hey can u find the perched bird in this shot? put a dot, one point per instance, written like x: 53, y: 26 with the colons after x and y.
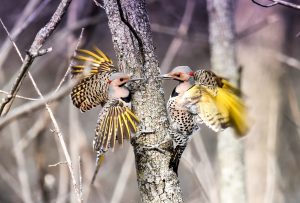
x: 202, y: 97
x: 101, y: 84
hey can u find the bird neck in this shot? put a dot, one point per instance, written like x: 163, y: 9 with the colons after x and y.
x: 115, y: 92
x: 183, y: 86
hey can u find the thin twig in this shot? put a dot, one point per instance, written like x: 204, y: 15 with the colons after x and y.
x: 59, y: 163
x: 271, y: 160
x: 71, y: 62
x: 181, y: 32
x: 278, y: 2
x: 264, y: 5
x: 11, y: 39
x: 10, y: 181
x: 206, y: 166
x: 21, y: 164
x: 295, y: 111
x: 20, y: 97
x: 17, y: 29
x: 34, y: 52
x: 35, y: 130
x: 121, y: 183
x: 257, y: 26
x: 35, y: 49
x: 98, y: 4
x: 80, y: 179
x: 290, y: 61
x: 199, y: 175
x: 29, y: 107
x: 155, y: 27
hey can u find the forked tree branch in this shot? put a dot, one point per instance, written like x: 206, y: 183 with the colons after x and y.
x: 56, y: 127
x: 34, y: 51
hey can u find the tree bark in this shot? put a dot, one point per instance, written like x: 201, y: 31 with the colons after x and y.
x: 223, y: 59
x: 131, y: 36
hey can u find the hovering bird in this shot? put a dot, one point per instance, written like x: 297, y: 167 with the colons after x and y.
x: 202, y: 97
x: 101, y: 84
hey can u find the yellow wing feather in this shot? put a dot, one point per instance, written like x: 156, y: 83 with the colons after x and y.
x: 219, y: 110
x: 93, y: 68
x: 91, y: 63
x: 232, y: 106
x: 116, y: 121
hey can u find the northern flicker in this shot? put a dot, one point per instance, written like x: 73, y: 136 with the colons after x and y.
x: 202, y: 97
x: 101, y: 84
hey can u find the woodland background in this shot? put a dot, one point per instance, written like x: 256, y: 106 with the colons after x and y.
x: 267, y: 45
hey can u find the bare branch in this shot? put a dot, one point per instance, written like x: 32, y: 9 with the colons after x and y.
x: 290, y: 61
x: 181, y: 32
x: 256, y: 27
x: 80, y: 179
x: 207, y: 167
x: 21, y: 23
x: 21, y: 164
x: 33, y: 52
x: 35, y: 130
x: 121, y: 183
x: 71, y: 62
x: 98, y: 4
x: 292, y: 98
x: 20, y: 97
x: 265, y: 5
x: 59, y: 163
x: 278, y: 2
x: 10, y: 181
x: 29, y: 107
x: 37, y: 51
x: 155, y: 27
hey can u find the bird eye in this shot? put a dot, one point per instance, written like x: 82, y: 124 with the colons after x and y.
x: 121, y: 79
x: 178, y: 75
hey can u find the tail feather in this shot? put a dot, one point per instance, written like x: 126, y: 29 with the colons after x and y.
x: 176, y: 156
x: 231, y: 106
x: 99, y: 160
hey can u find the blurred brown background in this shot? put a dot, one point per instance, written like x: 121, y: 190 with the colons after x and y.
x: 268, y: 46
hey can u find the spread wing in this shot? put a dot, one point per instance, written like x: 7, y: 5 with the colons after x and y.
x: 217, y: 102
x: 116, y: 121
x: 202, y: 103
x: 93, y: 69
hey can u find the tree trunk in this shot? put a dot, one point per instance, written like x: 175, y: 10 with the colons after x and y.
x: 223, y: 59
x: 131, y: 36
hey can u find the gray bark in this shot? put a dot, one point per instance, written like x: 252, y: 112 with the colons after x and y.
x: 223, y: 60
x: 131, y: 36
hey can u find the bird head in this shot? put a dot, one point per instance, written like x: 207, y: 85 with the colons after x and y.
x: 120, y: 79
x: 180, y: 73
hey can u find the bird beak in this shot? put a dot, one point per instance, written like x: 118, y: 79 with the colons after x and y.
x: 164, y: 77
x: 135, y: 79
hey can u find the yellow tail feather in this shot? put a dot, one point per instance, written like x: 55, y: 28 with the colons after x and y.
x: 232, y: 107
x: 98, y: 164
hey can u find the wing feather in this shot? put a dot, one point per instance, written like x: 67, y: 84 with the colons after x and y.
x: 116, y: 121
x: 126, y: 126
x: 93, y: 69
x: 217, y: 111
x: 200, y: 102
